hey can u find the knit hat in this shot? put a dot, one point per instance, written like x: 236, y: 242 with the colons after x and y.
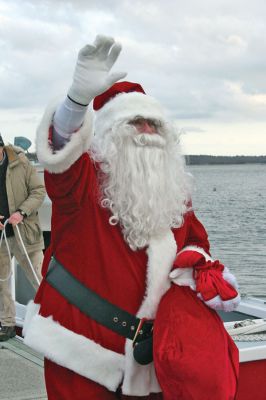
x: 1, y: 141
x: 123, y: 102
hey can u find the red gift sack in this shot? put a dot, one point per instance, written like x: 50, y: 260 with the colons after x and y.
x: 194, y: 357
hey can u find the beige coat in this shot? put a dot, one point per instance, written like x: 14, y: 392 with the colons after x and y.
x: 25, y: 191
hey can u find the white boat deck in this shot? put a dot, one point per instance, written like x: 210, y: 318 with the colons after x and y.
x: 21, y: 369
x: 251, y: 351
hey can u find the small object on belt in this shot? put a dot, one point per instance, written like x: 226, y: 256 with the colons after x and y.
x: 143, y: 342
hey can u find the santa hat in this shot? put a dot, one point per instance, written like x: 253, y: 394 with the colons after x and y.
x: 1, y: 141
x: 123, y: 102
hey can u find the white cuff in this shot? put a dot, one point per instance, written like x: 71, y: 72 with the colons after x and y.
x: 60, y: 161
x: 183, y: 277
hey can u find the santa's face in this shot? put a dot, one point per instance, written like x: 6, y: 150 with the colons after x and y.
x: 143, y: 181
x: 144, y: 125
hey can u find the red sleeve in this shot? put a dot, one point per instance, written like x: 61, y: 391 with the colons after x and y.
x: 192, y: 233
x: 70, y: 188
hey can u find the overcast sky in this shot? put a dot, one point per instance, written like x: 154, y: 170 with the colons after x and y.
x: 204, y: 60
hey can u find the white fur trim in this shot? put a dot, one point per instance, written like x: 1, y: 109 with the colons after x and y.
x: 61, y: 160
x: 141, y: 380
x: 161, y: 255
x: 219, y: 305
x: 198, y: 250
x: 31, y: 311
x: 126, y: 106
x: 231, y: 305
x: 73, y: 351
x: 230, y: 278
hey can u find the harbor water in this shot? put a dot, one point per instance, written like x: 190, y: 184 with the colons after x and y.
x: 230, y: 200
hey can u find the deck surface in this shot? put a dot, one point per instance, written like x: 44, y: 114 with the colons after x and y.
x: 21, y: 369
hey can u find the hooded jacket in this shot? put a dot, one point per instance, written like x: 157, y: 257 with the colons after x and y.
x: 25, y: 191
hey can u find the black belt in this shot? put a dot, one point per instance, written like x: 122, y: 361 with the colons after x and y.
x: 95, y: 306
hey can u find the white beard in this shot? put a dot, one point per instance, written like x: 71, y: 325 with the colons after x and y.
x: 142, y: 180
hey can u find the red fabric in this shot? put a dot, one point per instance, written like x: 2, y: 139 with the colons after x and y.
x: 210, y: 282
x: 252, y: 382
x: 192, y: 233
x: 188, y: 259
x: 96, y: 253
x: 117, y: 88
x: 93, y: 250
x: 195, y: 359
x: 63, y: 384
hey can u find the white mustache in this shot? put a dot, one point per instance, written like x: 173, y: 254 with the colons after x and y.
x: 151, y: 140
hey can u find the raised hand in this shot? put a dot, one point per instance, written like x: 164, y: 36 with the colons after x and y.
x: 92, y: 73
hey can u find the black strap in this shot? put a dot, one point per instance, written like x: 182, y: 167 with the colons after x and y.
x: 74, y: 101
x: 93, y: 305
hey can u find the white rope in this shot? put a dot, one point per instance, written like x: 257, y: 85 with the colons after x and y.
x: 27, y: 256
x: 249, y: 338
x: 248, y: 330
x: 9, y: 254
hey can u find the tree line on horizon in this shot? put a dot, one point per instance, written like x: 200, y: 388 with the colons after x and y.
x: 208, y: 159
x: 202, y: 159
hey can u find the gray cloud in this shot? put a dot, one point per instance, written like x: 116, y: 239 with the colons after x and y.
x: 203, y: 60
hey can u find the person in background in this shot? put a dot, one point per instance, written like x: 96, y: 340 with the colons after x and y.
x: 126, y: 249
x: 21, y: 194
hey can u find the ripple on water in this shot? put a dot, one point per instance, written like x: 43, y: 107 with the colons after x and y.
x: 235, y: 218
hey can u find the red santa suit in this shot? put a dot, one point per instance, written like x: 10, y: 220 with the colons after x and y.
x: 96, y: 253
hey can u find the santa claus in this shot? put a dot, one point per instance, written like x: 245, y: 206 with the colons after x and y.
x: 126, y: 250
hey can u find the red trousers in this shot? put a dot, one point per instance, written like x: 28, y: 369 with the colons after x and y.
x: 63, y: 384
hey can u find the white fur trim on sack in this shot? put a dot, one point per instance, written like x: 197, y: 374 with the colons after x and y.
x: 231, y: 305
x: 61, y: 160
x: 222, y: 305
x: 126, y: 106
x: 73, y: 351
x: 141, y: 380
x: 230, y: 278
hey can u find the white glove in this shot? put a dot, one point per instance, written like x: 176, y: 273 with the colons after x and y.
x: 183, y: 277
x: 91, y: 76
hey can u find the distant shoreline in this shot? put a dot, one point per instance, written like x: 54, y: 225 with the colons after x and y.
x: 216, y: 160
x: 205, y: 159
